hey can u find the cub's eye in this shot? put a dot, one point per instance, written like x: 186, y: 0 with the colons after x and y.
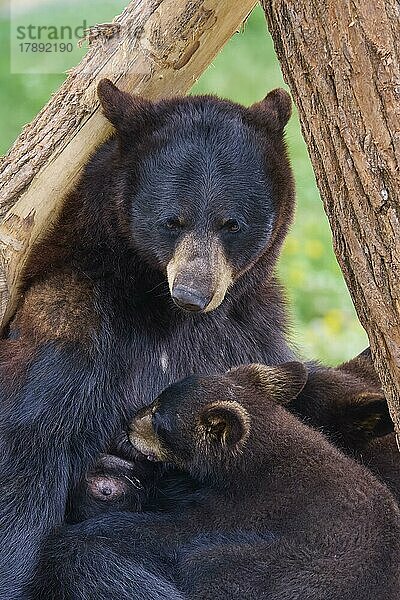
x: 231, y: 225
x: 155, y: 420
x: 173, y: 224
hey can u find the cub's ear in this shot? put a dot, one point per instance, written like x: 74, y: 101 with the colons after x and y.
x: 273, y: 112
x: 127, y: 113
x: 368, y: 414
x: 224, y: 422
x: 365, y: 354
x: 362, y: 367
x: 360, y: 364
x: 281, y: 382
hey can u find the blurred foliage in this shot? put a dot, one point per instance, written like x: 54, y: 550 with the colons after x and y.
x: 324, y: 324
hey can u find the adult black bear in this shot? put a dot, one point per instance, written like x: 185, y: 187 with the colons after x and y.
x: 160, y: 265
x: 281, y: 514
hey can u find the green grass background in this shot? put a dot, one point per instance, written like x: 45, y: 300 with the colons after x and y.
x: 324, y: 324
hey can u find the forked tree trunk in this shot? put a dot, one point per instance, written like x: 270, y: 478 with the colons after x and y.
x: 155, y: 48
x: 341, y: 61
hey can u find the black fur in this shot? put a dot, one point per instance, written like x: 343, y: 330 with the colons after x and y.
x: 348, y: 405
x: 113, y: 484
x: 97, y: 335
x: 281, y: 512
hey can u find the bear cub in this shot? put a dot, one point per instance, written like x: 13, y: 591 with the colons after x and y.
x: 322, y: 526
x: 346, y: 403
x: 278, y: 511
x: 136, y: 485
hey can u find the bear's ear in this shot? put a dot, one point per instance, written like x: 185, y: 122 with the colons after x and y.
x: 362, y: 364
x: 281, y: 382
x: 366, y: 353
x: 273, y: 112
x: 127, y: 113
x: 224, y: 423
x: 368, y: 413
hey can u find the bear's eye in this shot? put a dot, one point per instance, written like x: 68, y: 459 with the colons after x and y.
x: 173, y: 224
x: 231, y: 225
x: 155, y: 421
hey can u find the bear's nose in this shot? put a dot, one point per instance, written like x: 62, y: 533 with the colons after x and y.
x: 189, y: 299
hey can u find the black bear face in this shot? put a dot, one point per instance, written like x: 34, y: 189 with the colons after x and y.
x: 208, y: 206
x: 188, y: 415
x: 203, y: 425
x: 202, y: 183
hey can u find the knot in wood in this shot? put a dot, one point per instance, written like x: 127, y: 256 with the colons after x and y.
x: 102, y: 31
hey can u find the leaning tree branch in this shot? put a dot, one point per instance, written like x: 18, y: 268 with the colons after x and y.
x: 341, y: 60
x: 154, y: 48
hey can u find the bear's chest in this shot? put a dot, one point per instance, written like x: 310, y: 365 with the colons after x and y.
x: 155, y: 358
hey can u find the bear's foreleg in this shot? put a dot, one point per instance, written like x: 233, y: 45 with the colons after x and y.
x: 61, y: 401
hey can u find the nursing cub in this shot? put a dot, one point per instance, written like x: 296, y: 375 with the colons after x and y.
x: 279, y: 511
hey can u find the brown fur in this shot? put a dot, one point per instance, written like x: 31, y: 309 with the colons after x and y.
x: 16, y: 358
x: 335, y: 529
x: 59, y: 308
x: 348, y: 404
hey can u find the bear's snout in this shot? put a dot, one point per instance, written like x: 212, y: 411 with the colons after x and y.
x: 199, y: 274
x: 143, y: 437
x: 189, y: 299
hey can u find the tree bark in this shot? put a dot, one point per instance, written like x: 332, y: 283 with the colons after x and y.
x: 154, y: 48
x: 341, y: 61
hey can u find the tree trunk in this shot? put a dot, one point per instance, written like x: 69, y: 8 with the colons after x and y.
x: 155, y: 48
x: 341, y: 61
